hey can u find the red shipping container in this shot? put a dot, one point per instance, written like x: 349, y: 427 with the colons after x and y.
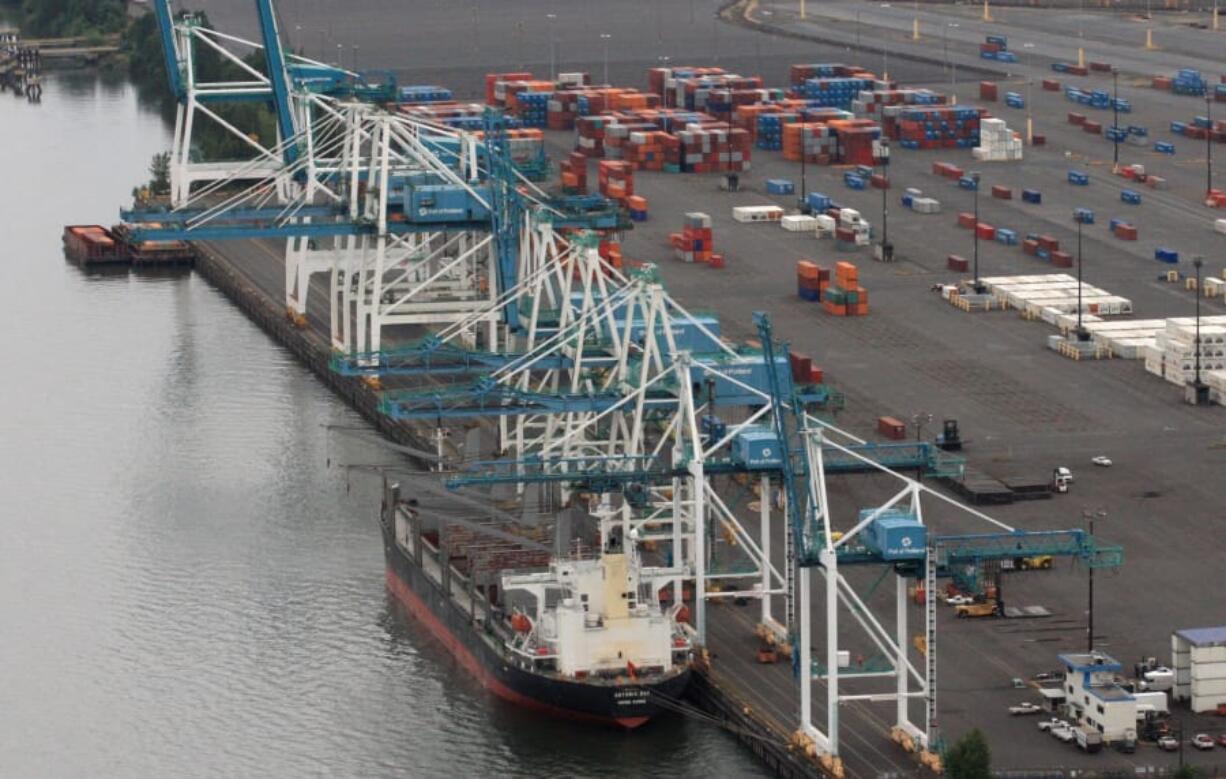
x: 879, y: 181
x: 966, y: 220
x: 1051, y: 85
x: 816, y: 376
x: 891, y: 428
x: 1030, y: 247
x: 1094, y: 128
x: 1101, y: 67
x: 1038, y: 140
x: 986, y: 232
x: 1048, y: 243
x: 1062, y: 259
x: 987, y: 90
x: 1077, y: 70
x: 1126, y: 232
x: 1075, y: 118
x: 956, y: 263
x: 1161, y: 82
x: 1001, y: 192
x: 802, y: 366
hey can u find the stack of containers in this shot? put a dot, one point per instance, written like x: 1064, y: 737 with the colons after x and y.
x: 637, y: 205
x: 590, y: 131
x: 836, y: 92
x: 646, y: 150
x: 1173, y: 355
x: 423, y: 93
x: 997, y: 143
x: 462, y: 116
x: 532, y: 107
x: 694, y: 243
x: 611, y: 250
x: 857, y: 140
x: 714, y: 149
x: 844, y: 296
x: 811, y: 280
x: 933, y: 127
x: 496, y: 96
x: 799, y: 74
x: 616, y: 179
x: 1188, y: 82
x: 872, y: 103
x: 996, y: 47
x: 814, y: 141
x: 574, y: 174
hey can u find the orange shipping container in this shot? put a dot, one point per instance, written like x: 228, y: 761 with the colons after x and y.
x: 807, y: 270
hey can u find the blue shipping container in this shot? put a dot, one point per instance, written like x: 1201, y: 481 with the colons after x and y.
x: 895, y: 535
x: 757, y: 448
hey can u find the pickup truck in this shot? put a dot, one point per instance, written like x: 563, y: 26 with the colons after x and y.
x: 988, y: 608
x: 1025, y: 708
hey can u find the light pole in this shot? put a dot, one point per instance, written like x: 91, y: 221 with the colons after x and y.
x: 974, y: 176
x: 1115, y: 122
x: 1081, y: 34
x: 883, y: 161
x: 1090, y: 516
x: 1209, y: 145
x: 1029, y: 115
x: 604, y: 38
x: 953, y: 66
x: 553, y: 71
x: 919, y: 420
x: 1082, y: 335
x: 1200, y: 393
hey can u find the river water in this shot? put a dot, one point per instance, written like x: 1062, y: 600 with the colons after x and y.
x: 191, y: 579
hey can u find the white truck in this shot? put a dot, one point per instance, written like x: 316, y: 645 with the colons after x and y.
x: 1152, y: 702
x: 1088, y: 740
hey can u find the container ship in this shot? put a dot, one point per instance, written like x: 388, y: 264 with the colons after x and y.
x: 584, y: 639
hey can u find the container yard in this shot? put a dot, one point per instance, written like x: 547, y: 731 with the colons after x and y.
x: 630, y: 317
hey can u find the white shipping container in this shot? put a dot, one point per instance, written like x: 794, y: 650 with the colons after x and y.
x: 926, y: 205
x: 1204, y: 703
x: 757, y: 213
x: 798, y: 223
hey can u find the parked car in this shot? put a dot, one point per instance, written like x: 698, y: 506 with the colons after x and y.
x: 1202, y: 741
x: 1065, y: 734
x: 1221, y: 740
x: 959, y: 600
x: 1025, y: 708
x: 1102, y: 460
x: 1054, y: 722
x: 1168, y: 743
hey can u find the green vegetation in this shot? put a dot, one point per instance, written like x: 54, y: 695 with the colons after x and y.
x: 64, y: 18
x: 969, y: 757
x: 146, y: 64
